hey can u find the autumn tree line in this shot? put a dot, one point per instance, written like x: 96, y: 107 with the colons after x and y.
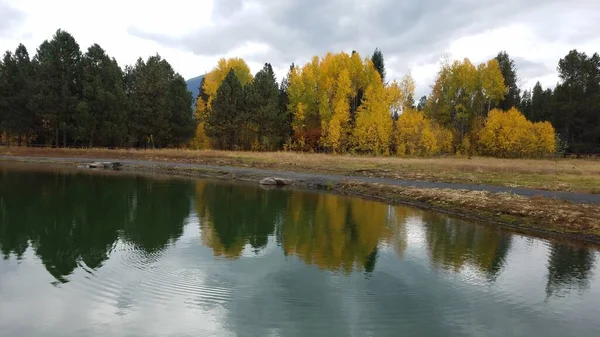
x: 63, y: 97
x: 342, y: 103
x: 337, y: 103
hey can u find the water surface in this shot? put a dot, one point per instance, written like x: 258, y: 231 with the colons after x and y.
x: 121, y: 255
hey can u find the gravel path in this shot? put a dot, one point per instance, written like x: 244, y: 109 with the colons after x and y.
x: 326, y: 178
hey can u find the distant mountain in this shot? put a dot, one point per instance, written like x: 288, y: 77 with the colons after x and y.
x: 193, y: 84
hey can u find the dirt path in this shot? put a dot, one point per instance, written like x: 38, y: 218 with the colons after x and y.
x: 319, y: 178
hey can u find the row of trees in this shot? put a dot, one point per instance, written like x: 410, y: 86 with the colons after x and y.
x: 341, y: 103
x: 236, y: 110
x: 338, y: 103
x: 573, y: 105
x: 63, y: 97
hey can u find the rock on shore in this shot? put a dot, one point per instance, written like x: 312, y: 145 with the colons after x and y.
x: 275, y: 181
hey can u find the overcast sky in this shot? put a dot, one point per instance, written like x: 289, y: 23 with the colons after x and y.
x: 413, y: 35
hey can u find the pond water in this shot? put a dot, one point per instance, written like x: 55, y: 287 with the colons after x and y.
x: 113, y: 254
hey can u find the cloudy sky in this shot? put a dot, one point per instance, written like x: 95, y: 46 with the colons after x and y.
x: 413, y: 35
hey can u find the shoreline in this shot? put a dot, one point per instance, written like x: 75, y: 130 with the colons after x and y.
x: 530, y: 215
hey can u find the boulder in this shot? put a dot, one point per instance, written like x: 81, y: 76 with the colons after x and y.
x: 282, y: 181
x: 268, y: 181
x: 275, y: 181
x: 96, y: 164
x: 107, y: 165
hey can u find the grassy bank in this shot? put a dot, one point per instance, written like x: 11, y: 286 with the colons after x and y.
x: 529, y: 215
x: 575, y: 175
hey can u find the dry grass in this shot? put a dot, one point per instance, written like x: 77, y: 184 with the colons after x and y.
x: 562, y: 174
x: 537, y: 214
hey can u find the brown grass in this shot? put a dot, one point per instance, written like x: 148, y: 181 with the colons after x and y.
x: 530, y: 214
x: 582, y: 175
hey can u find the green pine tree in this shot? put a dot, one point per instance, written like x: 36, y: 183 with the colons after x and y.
x: 379, y: 64
x: 286, y: 130
x: 58, y: 86
x: 225, y: 118
x: 158, y: 115
x: 262, y: 102
x: 8, y: 70
x: 181, y: 123
x: 509, y: 72
x: 101, y: 114
x: 422, y: 103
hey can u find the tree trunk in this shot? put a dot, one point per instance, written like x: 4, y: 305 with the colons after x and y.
x: 20, y: 137
x: 56, y: 137
x: 65, y: 137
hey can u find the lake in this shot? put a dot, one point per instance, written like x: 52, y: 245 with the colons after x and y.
x: 119, y: 254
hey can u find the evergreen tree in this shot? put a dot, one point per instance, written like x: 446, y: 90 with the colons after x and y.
x: 3, y: 96
x: 182, y: 123
x: 286, y: 130
x: 379, y: 64
x: 577, y: 100
x: 7, y: 94
x: 202, y: 95
x: 262, y: 102
x: 525, y: 105
x: 509, y: 73
x: 226, y: 114
x: 15, y: 90
x: 101, y: 114
x: 159, y: 109
x: 24, y: 83
x: 422, y: 103
x: 537, y: 103
x: 58, y: 85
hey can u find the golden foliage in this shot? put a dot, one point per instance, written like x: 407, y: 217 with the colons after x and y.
x: 338, y: 103
x: 417, y: 135
x: 374, y: 124
x: 216, y: 76
x: 407, y: 89
x: 320, y: 97
x: 510, y: 134
x: 338, y: 124
x: 200, y: 141
x: 463, y: 91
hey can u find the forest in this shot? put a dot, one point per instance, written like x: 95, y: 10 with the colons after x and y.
x: 336, y: 103
x: 65, y: 98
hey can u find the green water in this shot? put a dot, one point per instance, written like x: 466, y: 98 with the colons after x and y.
x: 87, y: 254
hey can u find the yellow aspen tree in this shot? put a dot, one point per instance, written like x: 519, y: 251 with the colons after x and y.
x: 545, y: 140
x: 337, y: 130
x: 510, y: 134
x: 356, y: 69
x: 371, y: 75
x: 216, y: 76
x: 407, y: 87
x: 374, y: 124
x: 302, y: 105
x: 492, y: 83
x: 200, y: 141
x: 396, y: 97
x: 415, y: 135
x: 444, y: 138
x: 461, y: 93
